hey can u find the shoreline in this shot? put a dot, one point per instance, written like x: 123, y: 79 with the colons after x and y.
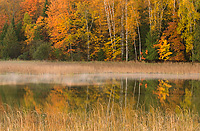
x: 64, y: 68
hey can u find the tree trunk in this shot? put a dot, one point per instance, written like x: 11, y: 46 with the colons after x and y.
x: 174, y: 10
x: 138, y: 28
x: 113, y: 25
x: 135, y: 50
x: 122, y: 32
x: 109, y: 9
x: 150, y: 14
x: 108, y: 20
x: 126, y: 14
x: 88, y: 37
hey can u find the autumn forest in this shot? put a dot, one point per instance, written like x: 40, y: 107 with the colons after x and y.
x: 100, y: 30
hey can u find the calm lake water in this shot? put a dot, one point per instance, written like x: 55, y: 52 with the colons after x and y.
x: 170, y: 94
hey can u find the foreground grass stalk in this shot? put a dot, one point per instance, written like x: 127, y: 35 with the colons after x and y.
x: 98, y: 119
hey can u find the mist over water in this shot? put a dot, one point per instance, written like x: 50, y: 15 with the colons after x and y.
x: 86, y: 79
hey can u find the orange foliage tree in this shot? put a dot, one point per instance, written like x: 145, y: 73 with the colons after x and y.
x: 171, y: 46
x: 58, y: 23
x: 174, y: 39
x: 33, y: 7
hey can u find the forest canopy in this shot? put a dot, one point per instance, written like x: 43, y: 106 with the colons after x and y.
x: 100, y: 30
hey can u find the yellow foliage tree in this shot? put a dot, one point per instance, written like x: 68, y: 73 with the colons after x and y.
x: 163, y: 49
x: 188, y: 19
x: 29, y: 28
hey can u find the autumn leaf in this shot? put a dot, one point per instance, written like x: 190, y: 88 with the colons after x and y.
x: 163, y: 49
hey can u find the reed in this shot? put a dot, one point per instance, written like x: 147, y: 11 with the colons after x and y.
x: 99, y: 119
x: 38, y: 67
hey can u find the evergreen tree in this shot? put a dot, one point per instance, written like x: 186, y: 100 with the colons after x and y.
x: 13, y: 22
x: 101, y: 55
x: 11, y: 47
x: 42, y: 52
x: 20, y: 32
x: 46, y: 4
x: 196, y: 47
x: 3, y: 34
x: 150, y: 53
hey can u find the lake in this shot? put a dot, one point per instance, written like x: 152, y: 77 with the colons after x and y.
x: 83, y: 94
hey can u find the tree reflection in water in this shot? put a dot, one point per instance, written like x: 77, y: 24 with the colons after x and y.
x: 165, y: 94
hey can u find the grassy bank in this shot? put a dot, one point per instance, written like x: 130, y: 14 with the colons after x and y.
x: 32, y: 67
x: 99, y: 118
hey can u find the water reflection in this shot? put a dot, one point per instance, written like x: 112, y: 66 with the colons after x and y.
x: 165, y: 94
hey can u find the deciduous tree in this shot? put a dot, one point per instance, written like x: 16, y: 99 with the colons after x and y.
x: 32, y: 7
x: 186, y: 27
x: 29, y: 28
x: 175, y: 41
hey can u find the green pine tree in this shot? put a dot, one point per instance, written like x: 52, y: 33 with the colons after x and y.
x: 46, y: 4
x: 101, y: 55
x: 150, y: 53
x: 196, y: 47
x: 11, y: 47
x: 3, y: 34
x: 13, y: 22
x: 20, y: 32
x: 42, y: 52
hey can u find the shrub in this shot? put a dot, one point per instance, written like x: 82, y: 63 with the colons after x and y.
x: 24, y: 56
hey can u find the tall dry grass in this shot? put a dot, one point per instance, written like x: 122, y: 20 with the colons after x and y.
x: 36, y: 67
x: 100, y: 119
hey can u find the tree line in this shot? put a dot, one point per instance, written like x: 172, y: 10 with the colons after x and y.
x: 103, y: 30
